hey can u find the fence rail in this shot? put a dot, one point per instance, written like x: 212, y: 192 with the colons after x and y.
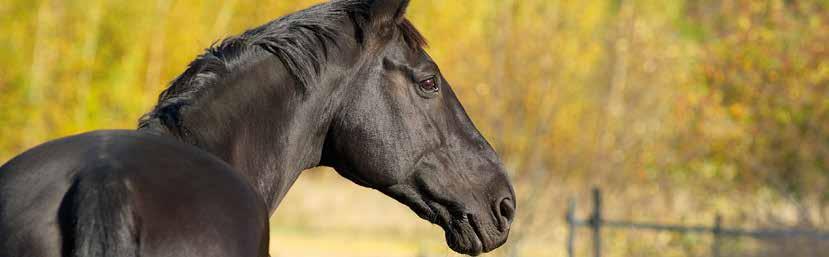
x: 596, y: 222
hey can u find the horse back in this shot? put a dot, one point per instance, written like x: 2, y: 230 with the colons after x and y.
x: 118, y: 192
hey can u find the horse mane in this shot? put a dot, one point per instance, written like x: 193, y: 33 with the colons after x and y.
x: 300, y: 41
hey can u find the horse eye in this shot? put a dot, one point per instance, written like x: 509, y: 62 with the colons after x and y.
x: 429, y: 85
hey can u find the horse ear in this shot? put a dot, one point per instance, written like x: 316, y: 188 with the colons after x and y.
x: 387, y: 11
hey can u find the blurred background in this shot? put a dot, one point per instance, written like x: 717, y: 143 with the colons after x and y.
x: 678, y: 110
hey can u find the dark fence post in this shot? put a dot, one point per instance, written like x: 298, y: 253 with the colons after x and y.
x: 596, y: 222
x: 717, y: 235
x: 571, y: 227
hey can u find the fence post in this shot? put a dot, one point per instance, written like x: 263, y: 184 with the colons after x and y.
x: 717, y: 235
x: 596, y: 222
x: 571, y: 227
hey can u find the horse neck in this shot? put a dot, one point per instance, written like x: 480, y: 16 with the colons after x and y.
x: 265, y: 126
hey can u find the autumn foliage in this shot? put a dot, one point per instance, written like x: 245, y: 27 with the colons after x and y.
x: 673, y: 106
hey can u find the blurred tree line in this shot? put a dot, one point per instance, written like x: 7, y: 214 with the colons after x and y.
x: 717, y: 95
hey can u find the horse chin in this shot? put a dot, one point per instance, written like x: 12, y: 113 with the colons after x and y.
x: 467, y: 235
x: 462, y: 237
x: 468, y: 228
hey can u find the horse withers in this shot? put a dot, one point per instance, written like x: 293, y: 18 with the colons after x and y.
x: 345, y: 84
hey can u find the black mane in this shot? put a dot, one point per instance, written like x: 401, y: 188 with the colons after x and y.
x: 299, y: 40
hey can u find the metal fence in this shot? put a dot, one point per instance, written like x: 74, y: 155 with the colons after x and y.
x: 596, y: 222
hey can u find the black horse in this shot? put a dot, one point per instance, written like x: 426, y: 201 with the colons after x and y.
x: 344, y: 84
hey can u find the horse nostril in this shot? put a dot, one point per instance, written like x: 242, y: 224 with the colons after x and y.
x: 506, y: 212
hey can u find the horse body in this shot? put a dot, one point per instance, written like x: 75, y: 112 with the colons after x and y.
x: 101, y: 193
x: 345, y: 84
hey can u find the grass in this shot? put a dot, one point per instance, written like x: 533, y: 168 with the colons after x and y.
x: 326, y: 215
